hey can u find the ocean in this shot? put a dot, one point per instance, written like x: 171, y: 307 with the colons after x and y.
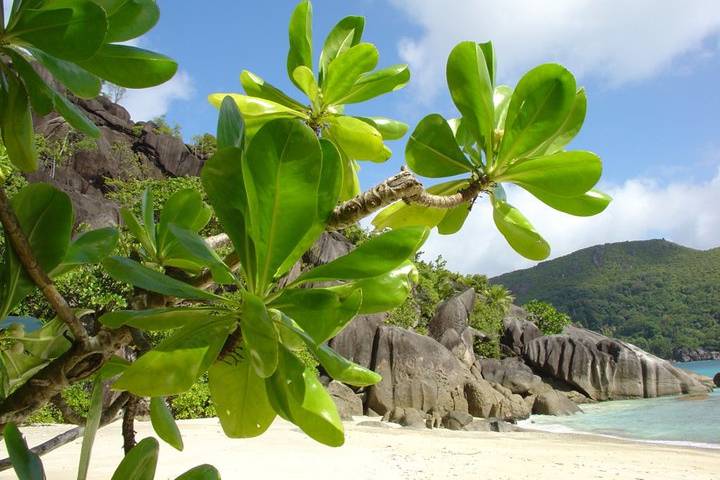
x: 667, y: 419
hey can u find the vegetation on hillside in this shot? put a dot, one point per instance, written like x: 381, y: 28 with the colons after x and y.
x: 654, y: 294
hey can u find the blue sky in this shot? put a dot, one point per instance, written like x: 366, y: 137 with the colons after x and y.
x: 651, y: 74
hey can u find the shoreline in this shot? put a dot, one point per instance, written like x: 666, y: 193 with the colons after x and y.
x: 373, y: 451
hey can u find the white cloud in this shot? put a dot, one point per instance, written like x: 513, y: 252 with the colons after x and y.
x: 684, y: 213
x: 149, y: 103
x: 615, y: 40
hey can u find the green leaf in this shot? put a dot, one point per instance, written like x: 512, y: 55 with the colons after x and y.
x: 300, y: 33
x: 201, y: 472
x: 178, y: 361
x: 16, y: 125
x: 130, y: 271
x: 79, y: 81
x: 147, y: 208
x: 129, y: 19
x: 590, y: 203
x: 27, y: 464
x: 69, y: 29
x: 138, y: 231
x: 283, y: 168
x: 385, y: 292
x: 156, y: 319
x: 89, y: 248
x: 91, y: 427
x: 373, y: 84
x: 351, y: 181
x: 74, y: 116
x: 490, y: 59
x: 400, y: 214
x: 185, y: 210
x: 501, y: 100
x: 296, y: 394
x: 259, y: 335
x: 432, y: 150
x: 223, y: 179
x: 255, y: 86
x: 345, y: 70
x: 240, y: 400
x: 320, y: 312
x: 343, y: 370
x: 471, y: 89
x: 45, y: 216
x: 564, y: 174
x: 130, y: 67
x: 519, y: 232
x: 231, y: 127
x: 377, y: 256
x: 140, y: 462
x: 454, y: 220
x: 164, y: 424
x: 112, y: 368
x: 257, y: 111
x: 358, y: 139
x: 570, y: 128
x: 542, y: 100
x: 305, y: 79
x: 197, y: 250
x: 389, y: 129
x: 41, y: 96
x: 345, y: 35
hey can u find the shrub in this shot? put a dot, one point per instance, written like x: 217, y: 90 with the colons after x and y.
x: 546, y: 317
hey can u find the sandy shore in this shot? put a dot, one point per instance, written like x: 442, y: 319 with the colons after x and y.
x: 388, y: 453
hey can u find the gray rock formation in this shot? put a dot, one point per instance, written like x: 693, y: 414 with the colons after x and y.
x: 606, y: 369
x: 450, y: 327
x: 552, y: 402
x: 517, y: 330
x: 348, y: 403
x: 511, y: 373
x: 407, y: 417
x: 457, y: 420
x: 716, y: 379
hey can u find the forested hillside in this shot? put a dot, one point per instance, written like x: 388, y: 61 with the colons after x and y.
x: 654, y: 293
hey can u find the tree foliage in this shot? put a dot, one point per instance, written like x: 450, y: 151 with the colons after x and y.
x: 546, y: 317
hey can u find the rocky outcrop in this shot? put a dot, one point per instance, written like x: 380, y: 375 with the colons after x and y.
x: 552, y: 402
x: 716, y: 379
x: 511, y: 373
x: 450, y: 327
x: 348, y: 403
x: 694, y: 354
x: 517, y: 330
x: 606, y: 369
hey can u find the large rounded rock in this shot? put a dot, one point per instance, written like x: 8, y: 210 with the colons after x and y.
x: 518, y: 330
x: 716, y: 379
x: 356, y: 342
x: 348, y: 403
x: 417, y: 373
x: 553, y: 402
x: 488, y: 400
x: 450, y: 327
x: 606, y: 369
x: 511, y: 373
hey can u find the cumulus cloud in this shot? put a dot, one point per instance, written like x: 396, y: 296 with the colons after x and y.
x: 684, y: 213
x: 149, y: 103
x: 615, y: 40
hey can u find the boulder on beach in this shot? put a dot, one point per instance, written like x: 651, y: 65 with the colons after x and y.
x: 716, y: 379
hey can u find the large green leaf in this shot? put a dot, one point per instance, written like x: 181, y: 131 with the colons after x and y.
x: 223, y: 179
x: 501, y: 100
x: 385, y: 292
x: 164, y: 424
x: 130, y: 67
x: 27, y: 464
x: 257, y: 111
x: 490, y: 60
x: 564, y: 174
x: 345, y: 35
x: 401, y: 214
x: 300, y: 33
x: 91, y: 427
x: 373, y: 84
x: 201, y: 472
x: 591, y: 203
x: 129, y: 19
x: 282, y: 170
x: 231, y: 126
x: 305, y: 79
x: 16, y: 125
x: 79, y: 81
x: 432, y: 150
x: 358, y: 139
x: 138, y: 231
x: 41, y: 95
x: 320, y: 312
x: 185, y: 209
x: 389, y: 129
x: 68, y: 29
x: 377, y: 256
x: 471, y: 89
x: 140, y: 462
x: 178, y: 361
x: 570, y: 128
x: 519, y: 232
x: 157, y: 319
x: 343, y: 370
x: 89, y: 248
x: 345, y: 70
x: 454, y: 219
x: 542, y: 100
x: 193, y: 249
x: 74, y: 116
x: 255, y: 86
x: 130, y: 271
x: 45, y: 216
x: 259, y: 335
x: 297, y: 395
x: 240, y: 399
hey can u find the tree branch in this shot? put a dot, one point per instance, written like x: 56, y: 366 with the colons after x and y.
x: 23, y: 250
x: 128, y: 423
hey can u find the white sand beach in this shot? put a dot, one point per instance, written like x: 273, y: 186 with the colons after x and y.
x: 392, y: 453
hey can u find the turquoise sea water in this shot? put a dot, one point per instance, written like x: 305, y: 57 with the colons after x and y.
x: 667, y: 419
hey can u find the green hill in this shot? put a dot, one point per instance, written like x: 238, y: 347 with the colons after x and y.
x: 653, y: 293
